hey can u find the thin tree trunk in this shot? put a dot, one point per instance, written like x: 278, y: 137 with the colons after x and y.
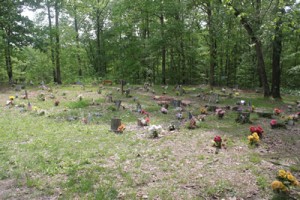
x: 277, y: 48
x: 163, y: 51
x: 8, y: 57
x: 212, y: 46
x: 51, y: 42
x: 77, y: 42
x: 57, y: 44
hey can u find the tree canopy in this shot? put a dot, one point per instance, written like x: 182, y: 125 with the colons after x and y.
x: 217, y: 42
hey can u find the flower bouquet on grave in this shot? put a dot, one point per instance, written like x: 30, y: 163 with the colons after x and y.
x: 277, y: 111
x: 253, y: 139
x: 154, y: 131
x: 220, y: 113
x: 203, y: 111
x: 284, y: 181
x: 145, y: 121
x: 179, y: 116
x: 217, y: 141
x: 121, y: 128
x: 258, y: 130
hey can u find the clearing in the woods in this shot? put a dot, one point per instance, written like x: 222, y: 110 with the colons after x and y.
x: 61, y: 145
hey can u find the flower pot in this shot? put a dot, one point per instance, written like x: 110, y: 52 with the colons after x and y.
x: 290, y: 122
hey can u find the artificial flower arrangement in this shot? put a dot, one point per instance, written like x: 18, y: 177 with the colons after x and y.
x: 252, y: 108
x: 154, y: 130
x: 179, y: 116
x: 193, y: 123
x: 220, y: 113
x: 277, y: 111
x: 145, y: 121
x: 144, y: 112
x: 257, y: 129
x: 164, y: 110
x: 253, y: 139
x: 11, y: 98
x: 217, y: 141
x: 284, y: 181
x: 203, y: 110
x: 273, y: 123
x: 121, y: 128
x: 56, y: 102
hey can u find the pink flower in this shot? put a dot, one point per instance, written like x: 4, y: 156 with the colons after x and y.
x: 218, y: 139
x: 147, y: 119
x: 273, y: 122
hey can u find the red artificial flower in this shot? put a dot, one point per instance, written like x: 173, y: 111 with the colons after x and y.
x: 273, y: 122
x: 144, y: 112
x: 257, y: 129
x: 277, y: 111
x: 218, y: 139
x: 147, y: 119
x: 252, y: 129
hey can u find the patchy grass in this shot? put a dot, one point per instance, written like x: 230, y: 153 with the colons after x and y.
x: 58, y: 156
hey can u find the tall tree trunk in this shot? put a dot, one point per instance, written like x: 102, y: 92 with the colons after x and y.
x: 57, y: 43
x: 277, y: 48
x: 212, y: 45
x: 8, y: 57
x: 258, y: 49
x: 77, y: 42
x: 163, y: 51
x: 98, y: 42
x: 51, y: 41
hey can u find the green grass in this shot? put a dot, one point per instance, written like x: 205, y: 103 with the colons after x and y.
x: 87, y: 161
x: 78, y: 104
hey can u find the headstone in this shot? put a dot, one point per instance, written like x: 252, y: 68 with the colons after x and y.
x: 138, y: 107
x: 115, y: 123
x: 127, y: 93
x: 118, y: 104
x: 243, y: 117
x: 18, y: 87
x: 176, y: 103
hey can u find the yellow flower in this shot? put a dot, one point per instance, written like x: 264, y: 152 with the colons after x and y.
x: 278, y: 185
x: 255, y: 137
x: 282, y: 173
x: 34, y: 108
x: 291, y: 178
x: 250, y: 137
x: 11, y: 97
x: 296, y: 183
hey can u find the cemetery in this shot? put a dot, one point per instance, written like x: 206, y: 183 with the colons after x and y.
x: 122, y: 141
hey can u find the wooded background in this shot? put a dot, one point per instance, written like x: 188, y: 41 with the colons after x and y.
x: 249, y: 43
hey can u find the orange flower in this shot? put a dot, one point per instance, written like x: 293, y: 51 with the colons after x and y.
x: 121, y: 128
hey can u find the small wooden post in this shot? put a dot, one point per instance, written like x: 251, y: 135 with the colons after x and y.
x: 115, y: 123
x: 123, y: 82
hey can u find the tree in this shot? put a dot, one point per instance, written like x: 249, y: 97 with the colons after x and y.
x: 249, y: 27
x: 15, y: 31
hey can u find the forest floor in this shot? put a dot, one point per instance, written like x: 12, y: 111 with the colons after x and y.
x: 69, y: 152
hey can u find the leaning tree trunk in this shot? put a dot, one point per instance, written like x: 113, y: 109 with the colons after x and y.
x: 258, y: 49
